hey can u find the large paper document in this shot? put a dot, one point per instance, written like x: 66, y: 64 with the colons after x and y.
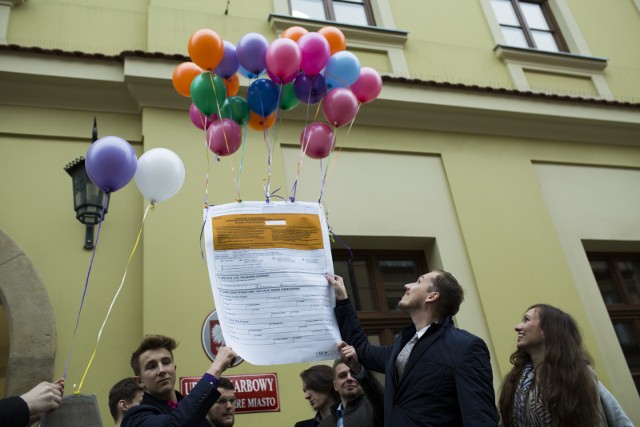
x: 267, y: 264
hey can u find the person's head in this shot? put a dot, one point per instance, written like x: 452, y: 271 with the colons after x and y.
x: 153, y: 365
x: 222, y: 412
x: 438, y: 288
x: 123, y: 395
x: 347, y: 387
x: 317, y: 385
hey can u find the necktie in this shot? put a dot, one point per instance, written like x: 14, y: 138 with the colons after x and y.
x: 339, y: 413
x: 403, y: 356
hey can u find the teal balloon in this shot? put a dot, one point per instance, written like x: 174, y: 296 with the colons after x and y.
x: 288, y: 98
x: 236, y: 109
x: 208, y: 92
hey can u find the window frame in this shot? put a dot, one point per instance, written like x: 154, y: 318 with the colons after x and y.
x: 554, y: 28
x: 331, y: 16
x: 621, y: 312
x: 383, y: 322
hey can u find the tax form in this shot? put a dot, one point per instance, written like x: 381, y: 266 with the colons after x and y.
x: 267, y: 264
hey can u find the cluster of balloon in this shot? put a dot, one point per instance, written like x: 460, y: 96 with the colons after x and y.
x: 111, y: 163
x: 302, y: 67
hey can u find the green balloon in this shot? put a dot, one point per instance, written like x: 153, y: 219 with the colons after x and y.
x: 236, y: 109
x: 288, y: 98
x: 208, y: 92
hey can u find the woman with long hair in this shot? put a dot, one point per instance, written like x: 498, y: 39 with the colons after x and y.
x: 317, y: 386
x: 551, y: 382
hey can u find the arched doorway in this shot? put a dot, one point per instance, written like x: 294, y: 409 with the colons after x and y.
x: 29, y: 318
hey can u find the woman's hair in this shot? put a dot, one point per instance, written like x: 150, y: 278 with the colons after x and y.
x: 320, y: 379
x: 566, y: 382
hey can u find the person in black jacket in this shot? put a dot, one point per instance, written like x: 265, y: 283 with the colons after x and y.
x: 124, y: 395
x: 435, y: 373
x: 161, y: 404
x: 17, y: 411
x: 317, y: 385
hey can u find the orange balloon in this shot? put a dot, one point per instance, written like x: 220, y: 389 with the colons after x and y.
x: 182, y: 76
x: 335, y: 37
x: 232, y: 84
x: 294, y: 33
x: 206, y: 48
x: 257, y: 122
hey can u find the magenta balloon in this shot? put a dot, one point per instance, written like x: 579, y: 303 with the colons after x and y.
x: 284, y: 81
x: 317, y: 140
x: 340, y: 106
x: 368, y: 86
x: 199, y: 120
x: 283, y: 57
x: 315, y: 52
x: 111, y: 163
x: 224, y: 137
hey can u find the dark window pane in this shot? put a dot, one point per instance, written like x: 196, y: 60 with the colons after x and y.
x: 350, y: 13
x: 606, y: 283
x: 308, y: 9
x: 630, y: 271
x: 629, y: 343
x: 357, y: 282
x: 395, y: 274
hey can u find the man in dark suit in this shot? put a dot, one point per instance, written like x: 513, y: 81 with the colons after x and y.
x: 435, y: 373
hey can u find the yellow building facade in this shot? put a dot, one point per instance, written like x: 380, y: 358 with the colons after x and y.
x: 506, y: 165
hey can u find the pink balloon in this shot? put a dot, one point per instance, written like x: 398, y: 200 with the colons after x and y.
x: 368, y: 86
x: 199, y: 120
x: 224, y: 137
x: 283, y: 57
x: 315, y: 52
x: 317, y: 140
x: 340, y: 106
x: 285, y: 80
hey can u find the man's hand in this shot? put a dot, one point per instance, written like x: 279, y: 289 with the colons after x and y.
x: 349, y: 357
x: 224, y: 359
x: 338, y: 286
x: 43, y: 398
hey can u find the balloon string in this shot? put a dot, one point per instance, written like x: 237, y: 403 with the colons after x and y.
x: 294, y: 188
x: 95, y: 348
x: 330, y: 166
x: 84, y: 293
x: 204, y: 222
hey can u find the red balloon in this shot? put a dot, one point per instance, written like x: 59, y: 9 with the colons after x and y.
x: 317, y: 140
x: 224, y: 137
x: 340, y: 106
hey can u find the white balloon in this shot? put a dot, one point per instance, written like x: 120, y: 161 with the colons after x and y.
x: 159, y: 175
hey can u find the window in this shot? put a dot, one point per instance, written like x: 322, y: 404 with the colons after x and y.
x: 354, y: 12
x: 618, y: 277
x: 528, y: 24
x: 374, y: 281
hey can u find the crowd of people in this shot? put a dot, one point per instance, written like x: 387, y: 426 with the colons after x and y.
x: 435, y: 374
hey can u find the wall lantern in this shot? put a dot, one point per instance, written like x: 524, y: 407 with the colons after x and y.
x: 88, y: 199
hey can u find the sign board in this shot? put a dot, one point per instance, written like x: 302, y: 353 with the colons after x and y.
x: 254, y: 392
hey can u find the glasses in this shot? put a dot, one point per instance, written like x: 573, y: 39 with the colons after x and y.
x: 232, y: 401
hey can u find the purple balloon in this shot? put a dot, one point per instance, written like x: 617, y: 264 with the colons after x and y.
x: 309, y: 89
x: 314, y: 52
x: 251, y: 52
x: 229, y: 64
x: 111, y: 163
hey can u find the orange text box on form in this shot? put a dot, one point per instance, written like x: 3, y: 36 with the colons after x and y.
x: 267, y: 231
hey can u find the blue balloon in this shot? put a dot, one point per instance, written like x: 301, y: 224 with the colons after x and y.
x: 262, y: 97
x: 342, y: 70
x: 309, y: 89
x: 251, y: 51
x: 228, y: 66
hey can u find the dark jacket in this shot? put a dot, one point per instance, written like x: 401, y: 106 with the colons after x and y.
x: 191, y: 411
x: 14, y: 412
x: 447, y: 380
x: 312, y: 422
